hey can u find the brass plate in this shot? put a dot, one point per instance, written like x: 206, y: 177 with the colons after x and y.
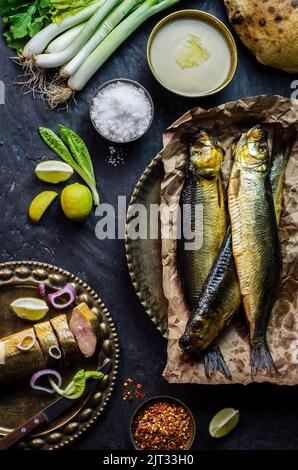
x: 18, y: 401
x: 144, y: 256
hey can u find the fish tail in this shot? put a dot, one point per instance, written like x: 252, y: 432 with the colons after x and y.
x: 214, y: 361
x: 283, y: 141
x: 261, y: 358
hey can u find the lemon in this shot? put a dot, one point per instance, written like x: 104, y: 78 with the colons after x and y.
x: 224, y: 422
x: 76, y: 202
x: 53, y: 171
x: 29, y: 308
x: 40, y: 203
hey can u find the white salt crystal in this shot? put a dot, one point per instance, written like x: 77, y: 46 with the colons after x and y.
x: 121, y: 112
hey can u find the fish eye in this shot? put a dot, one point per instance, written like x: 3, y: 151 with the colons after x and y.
x: 263, y: 148
x: 196, y: 326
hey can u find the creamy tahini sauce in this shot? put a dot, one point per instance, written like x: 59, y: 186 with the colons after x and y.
x: 190, y: 56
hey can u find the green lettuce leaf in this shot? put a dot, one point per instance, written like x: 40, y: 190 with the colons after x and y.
x: 22, y: 19
x: 63, y: 8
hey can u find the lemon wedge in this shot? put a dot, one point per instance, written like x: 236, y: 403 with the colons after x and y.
x: 29, y: 308
x: 53, y: 171
x: 40, y: 203
x: 223, y: 422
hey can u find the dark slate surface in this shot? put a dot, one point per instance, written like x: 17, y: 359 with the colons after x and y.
x: 269, y: 418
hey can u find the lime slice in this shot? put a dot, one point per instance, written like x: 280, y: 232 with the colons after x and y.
x: 53, y: 171
x: 40, y: 203
x: 29, y: 308
x: 223, y: 422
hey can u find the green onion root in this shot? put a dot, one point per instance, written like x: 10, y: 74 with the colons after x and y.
x: 57, y: 93
x: 32, y: 78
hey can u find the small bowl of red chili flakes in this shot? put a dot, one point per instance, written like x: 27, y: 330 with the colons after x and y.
x: 162, y: 423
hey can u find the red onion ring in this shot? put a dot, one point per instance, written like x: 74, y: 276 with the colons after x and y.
x: 42, y: 289
x: 26, y: 348
x: 55, y: 352
x: 41, y: 373
x: 69, y: 290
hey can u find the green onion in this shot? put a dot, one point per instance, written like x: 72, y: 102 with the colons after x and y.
x: 98, y: 57
x: 105, y: 28
x: 49, y: 61
x: 41, y: 40
x: 65, y: 39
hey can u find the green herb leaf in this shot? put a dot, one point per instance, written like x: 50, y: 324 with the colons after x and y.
x: 77, y: 386
x: 20, y: 23
x: 35, y: 26
x: 23, y: 19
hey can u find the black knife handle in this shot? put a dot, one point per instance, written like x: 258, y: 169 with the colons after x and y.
x: 19, y: 433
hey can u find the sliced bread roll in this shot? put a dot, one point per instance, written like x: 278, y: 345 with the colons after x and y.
x: 269, y: 28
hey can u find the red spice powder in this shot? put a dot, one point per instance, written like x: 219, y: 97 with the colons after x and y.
x: 162, y: 426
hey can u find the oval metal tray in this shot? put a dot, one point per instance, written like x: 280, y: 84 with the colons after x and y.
x: 18, y: 401
x: 144, y: 256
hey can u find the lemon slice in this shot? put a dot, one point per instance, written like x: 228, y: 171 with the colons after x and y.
x: 53, y: 171
x: 40, y: 203
x: 223, y: 422
x: 29, y: 308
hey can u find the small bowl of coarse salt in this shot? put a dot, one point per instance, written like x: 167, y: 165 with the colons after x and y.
x: 122, y: 110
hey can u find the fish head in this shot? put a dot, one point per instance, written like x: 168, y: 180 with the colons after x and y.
x: 199, y: 333
x: 252, y: 150
x: 206, y: 155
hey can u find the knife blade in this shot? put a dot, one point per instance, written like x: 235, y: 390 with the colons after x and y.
x: 49, y: 413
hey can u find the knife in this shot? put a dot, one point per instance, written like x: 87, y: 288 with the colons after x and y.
x: 49, y: 413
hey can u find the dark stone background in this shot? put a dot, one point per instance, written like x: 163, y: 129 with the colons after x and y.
x: 269, y: 418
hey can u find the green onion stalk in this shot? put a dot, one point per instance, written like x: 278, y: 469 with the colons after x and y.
x: 39, y: 42
x: 102, y: 32
x: 58, y: 94
x: 65, y: 39
x: 49, y: 61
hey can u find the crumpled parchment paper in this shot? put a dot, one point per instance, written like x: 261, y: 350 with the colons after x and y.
x: 227, y: 122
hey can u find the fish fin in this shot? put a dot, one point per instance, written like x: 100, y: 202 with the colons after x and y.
x: 214, y: 361
x: 283, y: 141
x: 261, y: 358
